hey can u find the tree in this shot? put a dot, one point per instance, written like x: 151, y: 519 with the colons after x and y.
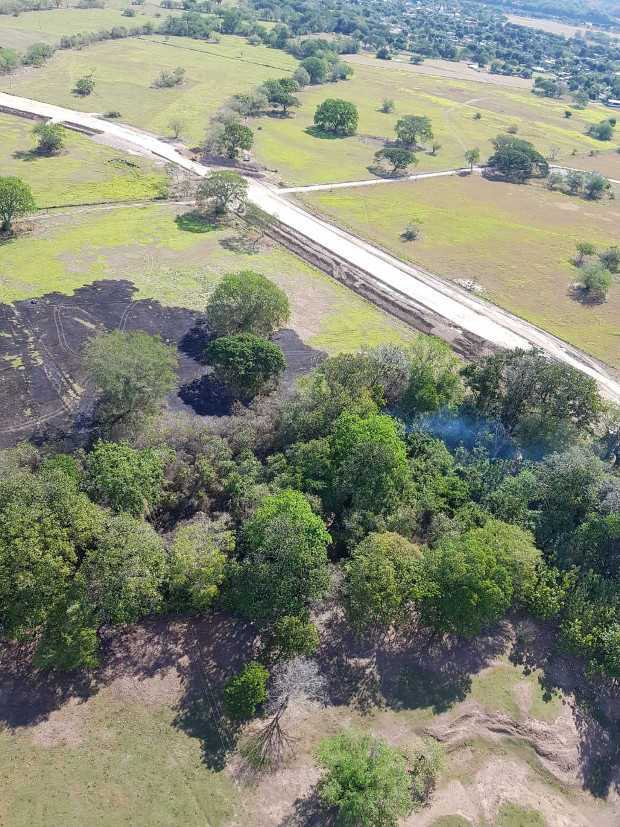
x: 123, y: 574
x: 472, y: 158
x: 535, y: 397
x: 411, y: 127
x: 285, y: 563
x: 247, y: 302
x: 293, y: 636
x: 387, y: 106
x: 610, y: 258
x: 280, y: 93
x: 168, y: 79
x: 246, y: 691
x: 364, y: 780
x: 383, y: 53
x: 337, y: 116
x: 434, y: 380
x: 176, y: 126
x: 296, y: 680
x: 236, y: 136
x: 596, y: 281
x: 595, y: 185
x: 85, y: 86
x: 370, y: 469
x: 584, y: 250
x: 45, y: 526
x: 15, y: 199
x: 602, y: 131
x: 469, y: 581
x: 50, y: 138
x: 302, y: 76
x: 517, y: 159
x: 316, y: 67
x: 380, y: 580
x: 124, y: 478
x: 246, y: 363
x: 197, y: 563
x: 227, y: 190
x: 133, y: 373
x: 399, y: 157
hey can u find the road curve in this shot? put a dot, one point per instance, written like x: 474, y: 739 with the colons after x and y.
x: 460, y: 310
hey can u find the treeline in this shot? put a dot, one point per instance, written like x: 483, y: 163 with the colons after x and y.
x: 445, y: 495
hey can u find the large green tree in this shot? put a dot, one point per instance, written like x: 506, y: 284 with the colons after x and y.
x: 46, y: 524
x: 133, y: 373
x: 15, y: 199
x: 285, y: 563
x: 516, y: 159
x: 247, y: 302
x: 245, y: 363
x: 364, y: 780
x: 337, y: 116
x: 410, y: 128
x: 224, y: 190
x: 123, y: 574
x: 470, y: 581
x: 125, y: 478
x: 380, y: 580
x: 197, y: 563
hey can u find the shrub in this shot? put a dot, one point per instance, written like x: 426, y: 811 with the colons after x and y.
x: 245, y: 691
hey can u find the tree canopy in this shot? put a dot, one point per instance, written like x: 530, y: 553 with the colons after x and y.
x: 337, y: 116
x: 247, y: 302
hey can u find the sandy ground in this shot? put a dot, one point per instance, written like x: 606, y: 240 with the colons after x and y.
x: 458, y: 309
x: 442, y: 68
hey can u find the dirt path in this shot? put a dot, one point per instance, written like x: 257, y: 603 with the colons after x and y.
x: 370, y: 182
x: 459, y: 310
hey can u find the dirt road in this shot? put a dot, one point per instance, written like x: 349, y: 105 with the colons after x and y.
x: 460, y: 310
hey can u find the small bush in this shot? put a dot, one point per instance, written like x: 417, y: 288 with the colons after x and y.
x: 411, y: 232
x: 245, y: 691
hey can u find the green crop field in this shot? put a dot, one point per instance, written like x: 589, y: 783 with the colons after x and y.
x: 125, y: 70
x: 84, y: 172
x: 300, y: 157
x: 516, y: 241
x: 177, y: 267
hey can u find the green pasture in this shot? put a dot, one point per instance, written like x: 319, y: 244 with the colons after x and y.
x: 178, y: 266
x: 516, y: 241
x: 84, y: 172
x: 125, y: 70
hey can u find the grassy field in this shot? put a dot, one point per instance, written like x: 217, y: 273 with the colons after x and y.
x: 516, y: 241
x: 125, y: 71
x: 145, y: 745
x: 49, y: 26
x: 84, y: 172
x: 177, y: 267
x: 300, y: 157
x: 128, y: 765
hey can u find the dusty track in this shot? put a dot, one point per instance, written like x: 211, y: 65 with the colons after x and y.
x: 462, y: 314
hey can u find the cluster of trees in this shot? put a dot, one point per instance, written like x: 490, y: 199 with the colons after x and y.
x: 517, y: 160
x: 157, y: 515
x: 590, y: 185
x: 596, y: 274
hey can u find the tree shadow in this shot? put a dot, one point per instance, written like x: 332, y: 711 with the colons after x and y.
x: 215, y: 649
x: 240, y: 244
x: 584, y: 296
x: 307, y: 812
x: 30, y: 155
x: 596, y: 706
x: 323, y: 134
x: 195, y: 221
x: 207, y: 397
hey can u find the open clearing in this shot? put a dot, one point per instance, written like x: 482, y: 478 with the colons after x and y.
x: 148, y: 727
x: 125, y: 70
x: 554, y: 26
x: 302, y: 158
x: 84, y: 172
x: 139, y: 268
x: 516, y: 241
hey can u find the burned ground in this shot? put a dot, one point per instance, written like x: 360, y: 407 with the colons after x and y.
x: 43, y: 388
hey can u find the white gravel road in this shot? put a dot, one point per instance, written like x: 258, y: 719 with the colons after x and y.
x: 460, y: 309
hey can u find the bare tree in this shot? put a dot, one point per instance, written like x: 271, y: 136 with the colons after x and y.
x: 297, y: 680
